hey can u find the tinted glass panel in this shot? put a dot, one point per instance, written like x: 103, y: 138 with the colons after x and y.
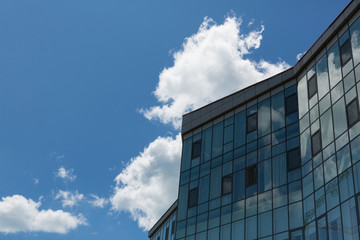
x: 312, y: 86
x: 352, y: 112
x: 293, y: 159
x: 252, y: 122
x: 322, y: 76
x: 226, y: 184
x: 196, y: 149
x: 251, y: 175
x: 316, y: 143
x: 291, y: 104
x: 345, y: 52
x: 193, y: 197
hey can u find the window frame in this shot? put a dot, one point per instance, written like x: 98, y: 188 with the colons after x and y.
x: 312, y: 146
x: 313, y: 78
x: 196, y: 143
x: 348, y: 43
x: 195, y: 203
x: 253, y: 169
x: 357, y: 110
x: 229, y: 176
x: 254, y: 115
x: 288, y: 159
x: 287, y: 112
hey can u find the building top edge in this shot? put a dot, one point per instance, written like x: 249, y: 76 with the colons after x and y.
x: 163, y: 219
x: 213, y: 110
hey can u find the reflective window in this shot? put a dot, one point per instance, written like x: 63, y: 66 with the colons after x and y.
x: 316, y: 143
x: 278, y: 111
x: 312, y: 86
x: 334, y: 224
x: 293, y: 159
x: 327, y: 134
x: 279, y: 171
x: 345, y: 48
x: 355, y: 40
x: 349, y: 221
x: 296, y: 216
x: 280, y: 219
x: 238, y: 230
x: 251, y: 175
x: 320, y: 202
x: 265, y: 224
x: 264, y: 114
x: 332, y: 194
x: 227, y: 184
x: 240, y: 132
x: 206, y: 145
x: 322, y: 76
x: 303, y: 97
x: 334, y: 65
x: 251, y: 123
x: 339, y: 116
x: 352, y: 112
x: 193, y: 198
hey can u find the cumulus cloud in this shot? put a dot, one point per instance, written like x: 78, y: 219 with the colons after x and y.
x: 67, y: 175
x: 69, y: 199
x: 97, y: 201
x: 18, y: 214
x: 148, y: 185
x: 299, y: 56
x: 211, y: 64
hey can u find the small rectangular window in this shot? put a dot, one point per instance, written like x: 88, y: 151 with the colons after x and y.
x: 293, y: 159
x: 316, y: 143
x: 193, y: 198
x: 251, y: 175
x: 227, y: 184
x: 345, y: 50
x: 251, y: 123
x: 312, y: 86
x: 352, y: 112
x: 196, y: 149
x: 291, y: 104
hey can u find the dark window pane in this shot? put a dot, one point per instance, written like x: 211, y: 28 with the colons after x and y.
x: 196, y: 149
x: 316, y: 143
x: 226, y: 184
x: 345, y: 52
x: 251, y: 175
x: 291, y: 104
x: 312, y: 86
x: 352, y: 112
x: 252, y: 122
x: 167, y: 233
x: 173, y: 228
x: 193, y: 198
x: 293, y: 159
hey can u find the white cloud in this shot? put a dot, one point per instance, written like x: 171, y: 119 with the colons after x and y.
x: 98, y: 201
x: 212, y: 63
x: 18, y: 214
x: 69, y: 199
x: 148, y: 185
x: 36, y: 181
x: 66, y: 175
x: 299, y: 56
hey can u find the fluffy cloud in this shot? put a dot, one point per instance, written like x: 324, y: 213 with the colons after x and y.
x: 18, y: 214
x: 69, y: 199
x: 212, y: 63
x: 148, y: 185
x: 66, y: 175
x: 98, y: 201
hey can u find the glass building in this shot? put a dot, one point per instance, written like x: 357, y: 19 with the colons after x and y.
x: 280, y: 159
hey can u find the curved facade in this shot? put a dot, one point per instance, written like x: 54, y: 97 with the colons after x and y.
x: 280, y: 159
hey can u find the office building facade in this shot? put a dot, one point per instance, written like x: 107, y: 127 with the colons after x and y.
x: 279, y: 159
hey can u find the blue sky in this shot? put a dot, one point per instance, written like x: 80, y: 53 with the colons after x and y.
x: 91, y: 94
